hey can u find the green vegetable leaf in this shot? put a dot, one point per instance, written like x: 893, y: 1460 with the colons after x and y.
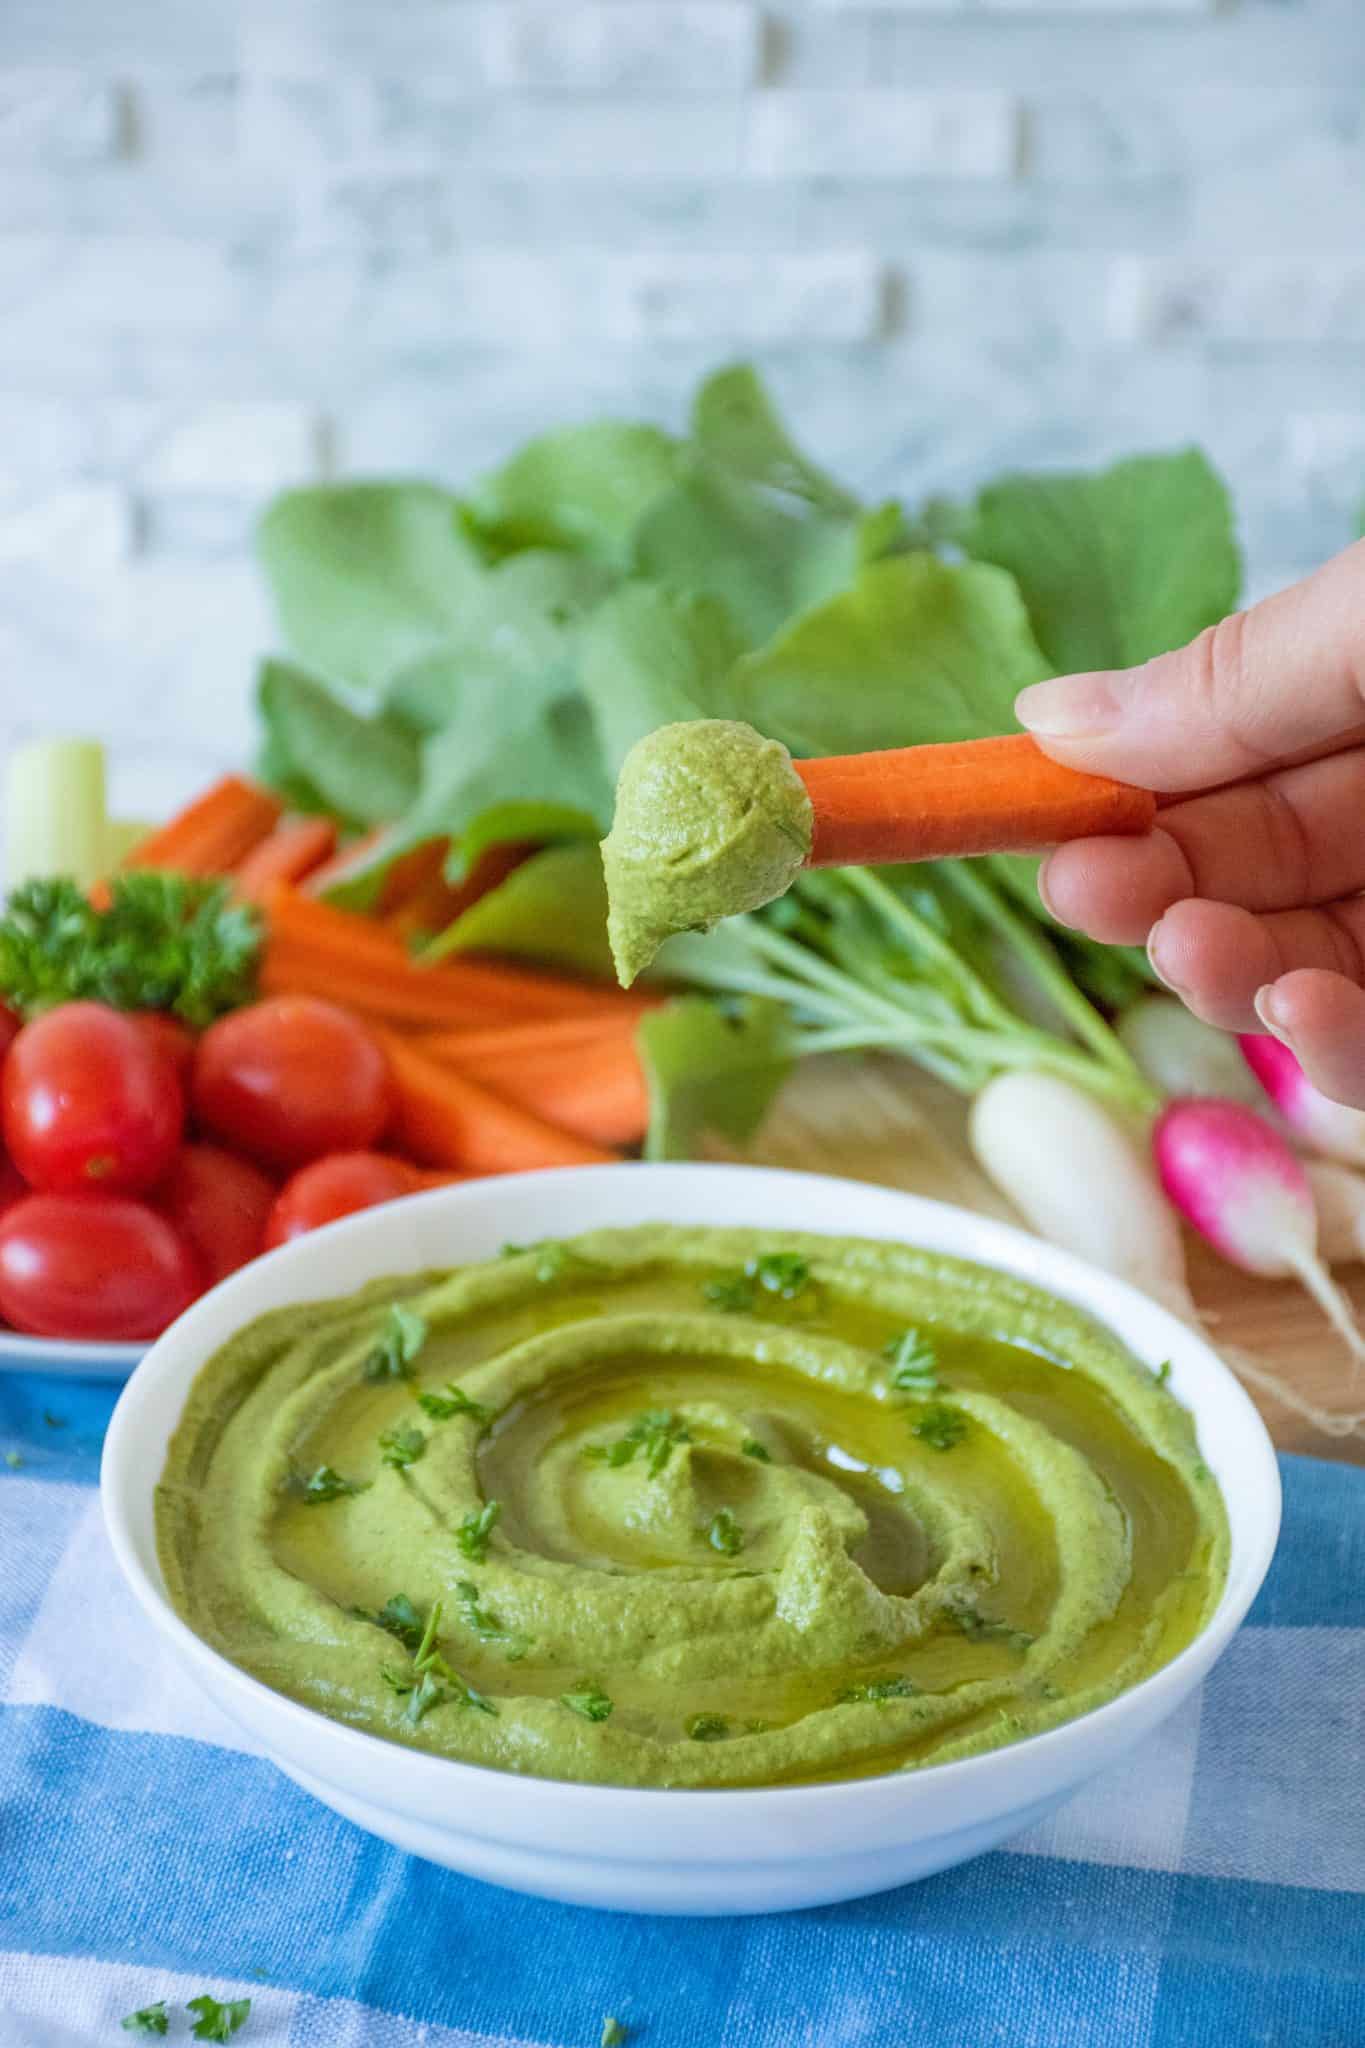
x: 785, y: 1274
x: 452, y: 1400
x: 589, y: 1700
x: 525, y: 771
x: 711, y: 1070
x: 583, y: 489
x: 367, y: 576
x: 165, y: 943
x: 553, y: 908
x: 218, y: 2022
x: 941, y: 1426
x: 655, y: 656
x: 149, y: 2020
x: 397, y: 1617
x: 656, y: 1435
x: 914, y: 1363
x: 366, y: 768
x: 1115, y: 566
x: 487, y: 1627
x: 399, y: 1345
x: 613, y: 2034
x: 324, y: 1484
x: 402, y: 1446
x: 708, y: 1728
x: 752, y: 1448
x: 724, y: 1533
x: 915, y: 650
x: 476, y: 1528
x: 876, y: 1690
x: 736, y: 425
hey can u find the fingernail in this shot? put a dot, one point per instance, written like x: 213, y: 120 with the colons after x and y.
x: 1153, y: 956
x: 1043, y: 896
x: 1269, y: 1007
x: 1072, y: 707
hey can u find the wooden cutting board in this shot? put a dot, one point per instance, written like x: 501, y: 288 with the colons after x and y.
x: 881, y: 1120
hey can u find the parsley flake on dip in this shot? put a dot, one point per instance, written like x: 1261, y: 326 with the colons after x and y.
x: 689, y: 1507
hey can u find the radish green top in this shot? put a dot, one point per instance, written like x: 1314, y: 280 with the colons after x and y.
x: 711, y: 820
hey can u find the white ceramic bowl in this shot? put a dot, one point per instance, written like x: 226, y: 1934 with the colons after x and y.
x: 679, y: 1851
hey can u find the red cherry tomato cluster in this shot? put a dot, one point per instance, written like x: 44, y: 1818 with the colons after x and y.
x: 140, y: 1166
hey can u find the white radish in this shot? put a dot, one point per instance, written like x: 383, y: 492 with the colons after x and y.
x: 1339, y: 1199
x: 1316, y: 1121
x: 1232, y: 1175
x: 1181, y: 1055
x: 1078, y: 1179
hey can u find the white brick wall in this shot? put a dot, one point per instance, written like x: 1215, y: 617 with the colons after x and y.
x: 240, y: 246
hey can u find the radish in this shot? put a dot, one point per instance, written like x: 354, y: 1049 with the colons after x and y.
x: 1078, y: 1180
x: 1339, y: 1198
x: 1181, y: 1055
x: 1236, y: 1180
x: 1318, y: 1122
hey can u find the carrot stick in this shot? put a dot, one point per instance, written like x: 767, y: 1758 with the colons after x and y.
x: 344, y: 862
x: 293, y: 850
x: 970, y: 796
x: 557, y: 1035
x: 592, y: 1086
x: 446, y: 1119
x: 212, y: 834
x: 436, y: 903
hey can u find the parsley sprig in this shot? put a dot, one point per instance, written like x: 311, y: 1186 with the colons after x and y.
x: 487, y: 1627
x: 452, y: 1400
x: 218, y: 2022
x: 913, y: 1361
x: 475, y: 1530
x: 324, y: 1484
x: 941, y: 1426
x: 708, y: 1728
x: 724, y: 1534
x: 589, y: 1700
x: 149, y: 2020
x: 433, y: 1682
x: 783, y: 1275
x: 875, y: 1691
x: 655, y: 1433
x: 165, y: 942
x: 398, y: 1345
x: 402, y: 1445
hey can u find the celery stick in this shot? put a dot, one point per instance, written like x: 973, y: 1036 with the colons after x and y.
x: 55, y: 811
x: 121, y: 835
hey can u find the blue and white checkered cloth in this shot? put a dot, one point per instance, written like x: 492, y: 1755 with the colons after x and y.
x: 1208, y: 1894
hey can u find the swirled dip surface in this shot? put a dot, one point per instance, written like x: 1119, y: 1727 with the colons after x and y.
x: 746, y: 1532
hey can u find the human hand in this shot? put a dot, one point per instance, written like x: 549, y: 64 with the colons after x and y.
x: 1247, y: 894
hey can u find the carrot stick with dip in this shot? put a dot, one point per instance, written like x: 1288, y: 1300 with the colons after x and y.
x: 712, y: 819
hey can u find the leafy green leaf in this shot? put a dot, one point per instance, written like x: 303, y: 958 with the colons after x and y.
x: 553, y: 907
x: 707, y: 1728
x: 724, y: 1533
x: 653, y: 657
x: 915, y: 650
x: 1115, y: 566
x: 402, y: 1445
x: 399, y: 1345
x: 582, y: 488
x: 366, y: 768
x: 589, y: 1700
x: 367, y: 576
x: 399, y: 1618
x: 711, y: 1069
x: 613, y: 2034
x: 914, y: 1363
x: 325, y: 1484
x: 452, y: 1401
x: 475, y: 1529
x: 941, y: 1426
x: 752, y: 1448
x: 150, y: 2020
x: 528, y: 771
x: 656, y: 1434
x: 218, y: 2022
x: 735, y: 423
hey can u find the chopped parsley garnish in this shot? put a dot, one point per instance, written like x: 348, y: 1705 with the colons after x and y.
x: 452, y: 1401
x: 724, y: 1534
x: 655, y: 1433
x: 487, y: 1627
x: 941, y: 1426
x: 218, y: 2022
x: 752, y: 1448
x: 613, y: 2033
x: 554, y: 1259
x: 326, y: 1484
x: 875, y: 1690
x: 475, y: 1530
x: 708, y: 1727
x: 432, y: 1681
x: 398, y: 1617
x: 395, y: 1353
x: 148, y: 2020
x: 402, y: 1446
x: 589, y: 1700
x: 983, y: 1628
x: 913, y: 1361
x: 14, y: 1461
x: 1163, y: 1372
x: 784, y: 1274
x: 53, y: 1421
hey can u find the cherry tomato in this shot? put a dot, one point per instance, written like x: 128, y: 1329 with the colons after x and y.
x: 170, y: 1037
x: 10, y: 1026
x: 90, y: 1101
x: 97, y: 1266
x: 291, y: 1079
x: 13, y: 1186
x: 338, y: 1186
x: 219, y: 1204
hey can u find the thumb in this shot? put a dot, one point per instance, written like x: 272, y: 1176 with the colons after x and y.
x: 1284, y: 679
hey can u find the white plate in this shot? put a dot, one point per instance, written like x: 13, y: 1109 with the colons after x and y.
x: 65, y: 1358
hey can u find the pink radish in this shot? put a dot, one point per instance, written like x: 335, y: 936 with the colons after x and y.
x: 1318, y: 1122
x: 1233, y: 1176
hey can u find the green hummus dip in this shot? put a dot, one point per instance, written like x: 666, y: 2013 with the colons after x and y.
x: 690, y: 1507
x: 711, y: 820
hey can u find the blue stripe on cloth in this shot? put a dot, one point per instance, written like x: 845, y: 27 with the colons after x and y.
x: 55, y: 1425
x: 149, y: 1846
x: 1318, y: 1577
